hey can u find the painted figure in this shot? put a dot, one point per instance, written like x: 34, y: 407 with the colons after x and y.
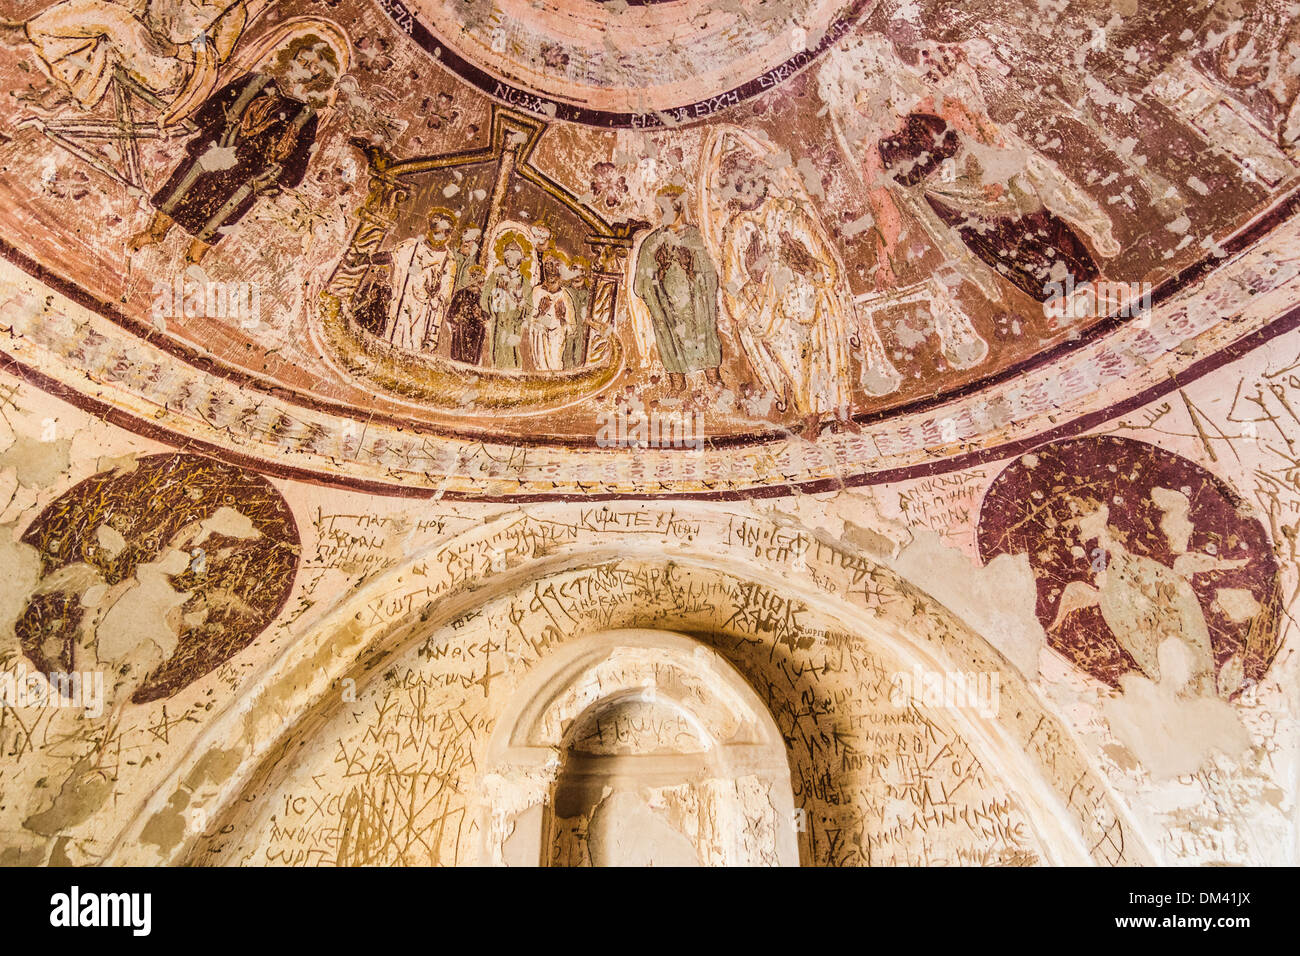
x: 262, y: 127
x: 578, y: 337
x: 783, y: 290
x: 422, y: 282
x: 549, y: 320
x: 1010, y: 229
x: 158, y: 44
x: 1145, y: 602
x: 1256, y: 56
x: 466, y: 255
x: 983, y: 197
x: 1131, y: 546
x: 676, y: 279
x: 506, y: 297
x: 467, y: 322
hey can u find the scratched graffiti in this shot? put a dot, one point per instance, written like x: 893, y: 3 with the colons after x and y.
x: 878, y: 784
x: 344, y: 341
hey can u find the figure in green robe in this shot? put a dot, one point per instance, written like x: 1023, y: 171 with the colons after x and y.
x: 506, y: 298
x: 575, y: 342
x: 679, y: 285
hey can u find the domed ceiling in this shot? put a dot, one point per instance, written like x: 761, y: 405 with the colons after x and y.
x: 619, y: 64
x: 583, y: 249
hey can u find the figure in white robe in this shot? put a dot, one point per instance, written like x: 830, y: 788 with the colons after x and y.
x: 550, y: 320
x: 423, y: 281
x: 1145, y: 602
x: 157, y: 43
x: 783, y: 290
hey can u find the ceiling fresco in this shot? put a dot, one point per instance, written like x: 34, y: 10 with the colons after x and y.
x: 661, y: 248
x: 566, y: 432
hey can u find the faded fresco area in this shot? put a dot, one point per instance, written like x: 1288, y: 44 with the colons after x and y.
x: 657, y: 433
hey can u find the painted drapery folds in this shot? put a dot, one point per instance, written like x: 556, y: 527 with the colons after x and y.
x: 1131, y: 545
x: 207, y: 544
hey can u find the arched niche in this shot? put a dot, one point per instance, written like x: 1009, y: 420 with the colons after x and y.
x: 635, y: 747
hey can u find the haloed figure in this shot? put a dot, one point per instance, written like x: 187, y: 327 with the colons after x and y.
x: 263, y: 127
x: 423, y: 275
x: 506, y: 297
x: 553, y: 315
x: 785, y: 293
x: 679, y: 285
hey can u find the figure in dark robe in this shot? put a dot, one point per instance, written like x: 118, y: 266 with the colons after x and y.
x: 465, y: 256
x: 1012, y: 230
x: 467, y: 320
x: 679, y: 285
x: 579, y: 332
x: 254, y: 138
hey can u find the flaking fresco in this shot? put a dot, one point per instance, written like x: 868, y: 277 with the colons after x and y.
x: 667, y: 433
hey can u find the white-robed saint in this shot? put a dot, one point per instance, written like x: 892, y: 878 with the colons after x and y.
x: 423, y: 279
x: 783, y: 290
x: 159, y: 44
x: 552, y: 315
